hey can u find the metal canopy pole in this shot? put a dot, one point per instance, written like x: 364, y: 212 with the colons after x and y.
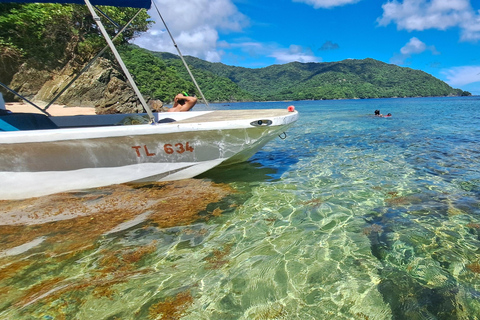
x: 181, y: 56
x: 120, y: 61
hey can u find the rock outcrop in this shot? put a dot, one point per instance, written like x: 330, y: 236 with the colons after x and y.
x: 102, y: 87
x: 28, y: 81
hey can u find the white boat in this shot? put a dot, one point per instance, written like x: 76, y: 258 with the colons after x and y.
x: 42, y: 155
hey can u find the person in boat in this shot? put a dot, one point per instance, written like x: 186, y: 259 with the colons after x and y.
x: 183, y: 102
x: 377, y: 113
x: 388, y: 115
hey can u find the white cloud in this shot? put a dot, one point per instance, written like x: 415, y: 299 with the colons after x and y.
x: 248, y: 47
x: 471, y: 29
x: 329, y: 45
x: 461, y: 76
x: 194, y: 25
x: 414, y: 46
x: 433, y: 14
x: 294, y: 53
x: 281, y: 55
x: 327, y: 3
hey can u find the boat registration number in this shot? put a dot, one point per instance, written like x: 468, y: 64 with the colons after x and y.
x: 168, y: 148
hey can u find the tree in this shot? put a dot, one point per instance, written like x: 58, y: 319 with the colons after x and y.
x: 51, y: 34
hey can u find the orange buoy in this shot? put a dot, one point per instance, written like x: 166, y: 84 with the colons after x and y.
x: 291, y: 108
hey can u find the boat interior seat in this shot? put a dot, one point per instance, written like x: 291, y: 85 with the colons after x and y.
x: 25, y: 121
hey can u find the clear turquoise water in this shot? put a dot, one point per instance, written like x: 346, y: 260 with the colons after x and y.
x: 351, y: 217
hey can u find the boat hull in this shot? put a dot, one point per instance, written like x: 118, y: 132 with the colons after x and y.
x: 41, y: 162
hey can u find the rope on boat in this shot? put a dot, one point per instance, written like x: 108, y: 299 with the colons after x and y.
x: 181, y: 56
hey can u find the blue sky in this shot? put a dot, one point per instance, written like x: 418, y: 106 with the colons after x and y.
x: 440, y: 37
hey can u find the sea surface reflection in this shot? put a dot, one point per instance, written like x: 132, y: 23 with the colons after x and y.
x: 351, y: 217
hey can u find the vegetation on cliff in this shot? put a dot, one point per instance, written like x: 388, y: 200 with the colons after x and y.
x: 153, y: 77
x: 164, y: 78
x: 47, y: 36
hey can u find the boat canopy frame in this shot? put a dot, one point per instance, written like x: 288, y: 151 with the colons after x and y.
x: 142, y: 4
x: 91, y: 4
x: 99, y: 23
x: 89, y: 64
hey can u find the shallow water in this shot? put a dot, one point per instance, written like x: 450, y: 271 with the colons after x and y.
x: 351, y: 217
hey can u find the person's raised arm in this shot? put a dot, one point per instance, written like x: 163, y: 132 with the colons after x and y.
x: 183, y: 103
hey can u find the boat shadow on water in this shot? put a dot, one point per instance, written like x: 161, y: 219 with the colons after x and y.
x: 262, y: 167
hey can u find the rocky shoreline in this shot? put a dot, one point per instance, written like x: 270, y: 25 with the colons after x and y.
x: 102, y: 89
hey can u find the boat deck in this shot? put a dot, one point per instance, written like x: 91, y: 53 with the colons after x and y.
x: 230, y: 115
x: 175, y: 117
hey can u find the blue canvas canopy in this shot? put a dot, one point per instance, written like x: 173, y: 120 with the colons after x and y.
x: 116, y: 3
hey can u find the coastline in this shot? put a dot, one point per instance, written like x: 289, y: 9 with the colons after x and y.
x: 54, y: 109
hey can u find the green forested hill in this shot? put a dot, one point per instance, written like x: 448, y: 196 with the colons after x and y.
x: 215, y: 87
x: 345, y: 79
x: 163, y: 79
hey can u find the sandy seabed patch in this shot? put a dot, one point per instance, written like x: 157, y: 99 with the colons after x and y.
x: 85, y: 215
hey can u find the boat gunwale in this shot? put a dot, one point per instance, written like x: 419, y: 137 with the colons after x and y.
x: 180, y: 126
